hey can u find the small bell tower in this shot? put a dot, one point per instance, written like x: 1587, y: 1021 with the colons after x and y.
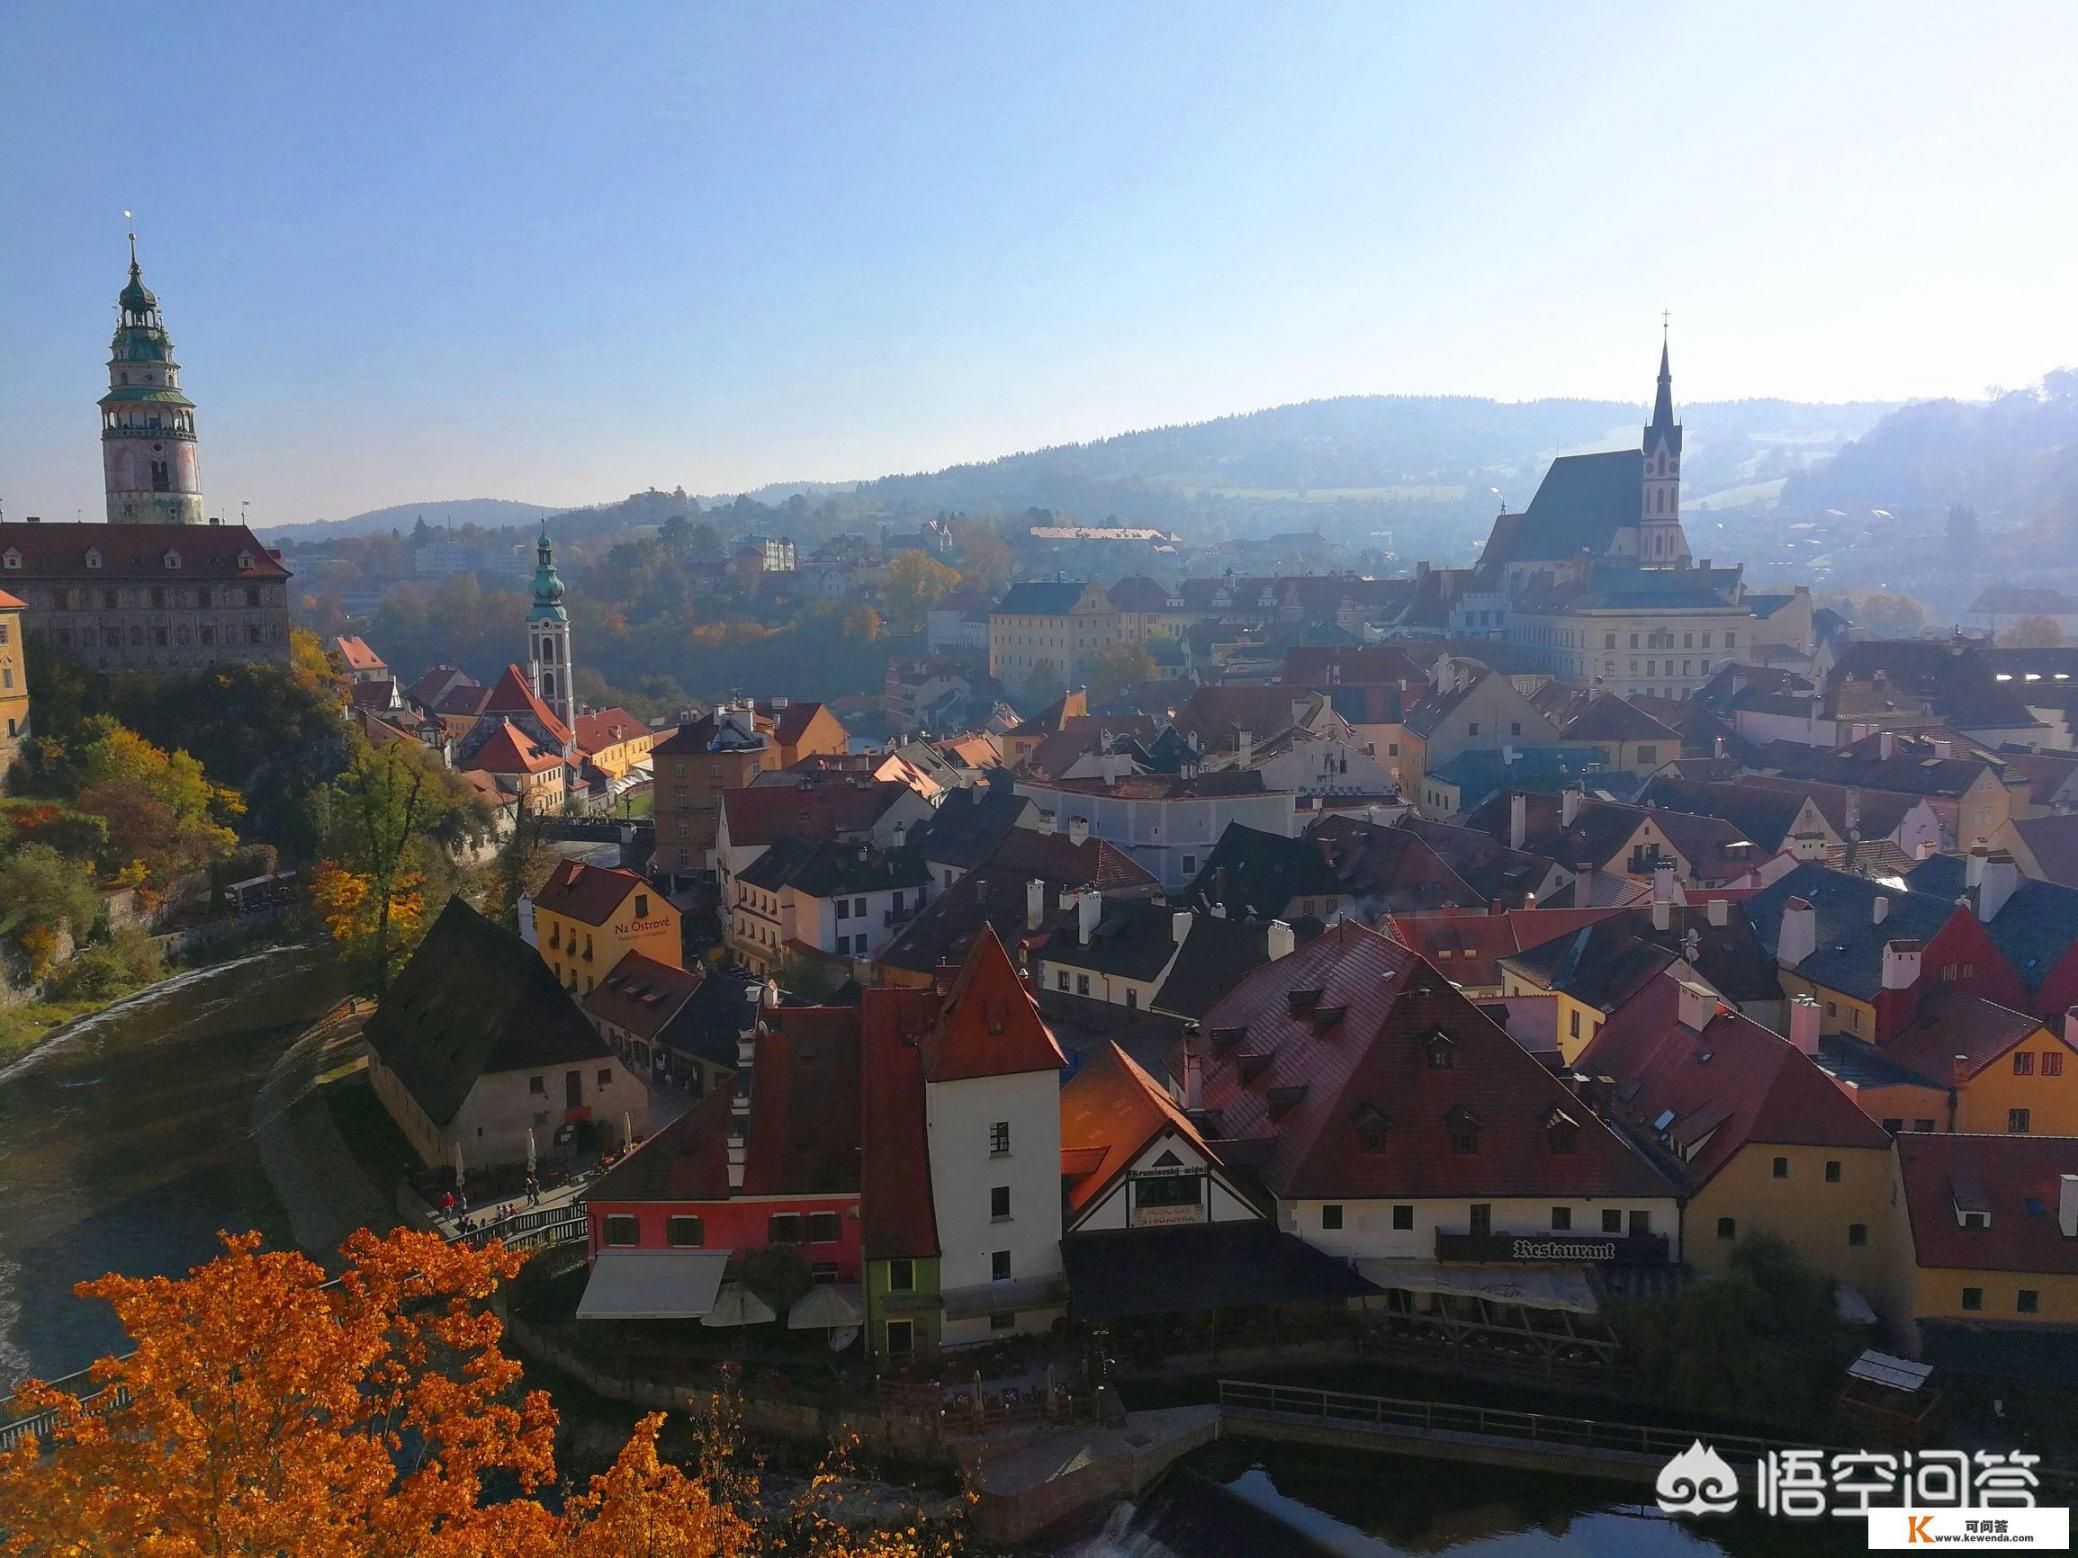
x: 1661, y: 541
x: 548, y: 637
x: 151, y: 466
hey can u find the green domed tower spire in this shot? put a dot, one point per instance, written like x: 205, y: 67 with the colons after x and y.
x: 548, y: 636
x: 150, y: 463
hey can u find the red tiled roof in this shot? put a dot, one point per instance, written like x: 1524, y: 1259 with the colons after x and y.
x: 9, y: 603
x: 139, y: 551
x: 763, y: 814
x: 895, y: 1203
x: 688, y: 1160
x: 1323, y: 665
x: 511, y: 695
x: 1946, y: 1173
x: 1953, y: 1023
x: 1733, y: 1083
x: 641, y: 995
x: 512, y: 751
x: 607, y: 727
x: 1374, y: 1065
x: 1110, y: 1111
x: 1466, y: 948
x: 587, y: 892
x: 357, y: 655
x: 989, y: 1026
x: 1055, y: 858
x: 804, y: 1109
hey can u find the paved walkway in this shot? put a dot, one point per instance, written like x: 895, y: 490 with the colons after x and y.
x: 318, y: 1181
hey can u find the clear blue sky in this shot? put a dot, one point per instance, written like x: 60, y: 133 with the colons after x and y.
x: 560, y: 253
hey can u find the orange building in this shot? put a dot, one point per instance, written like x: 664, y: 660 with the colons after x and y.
x: 727, y: 751
x: 14, y: 683
x: 587, y: 918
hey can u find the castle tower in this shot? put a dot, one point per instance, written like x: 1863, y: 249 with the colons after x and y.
x: 548, y: 637
x: 1661, y: 543
x: 149, y: 460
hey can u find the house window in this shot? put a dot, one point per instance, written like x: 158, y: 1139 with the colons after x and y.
x: 606, y: 1076
x: 2027, y: 1301
x: 999, y: 1139
x: 1782, y: 1168
x: 1922, y: 1125
x: 783, y: 1228
x: 843, y: 910
x: 1973, y: 1298
x: 642, y: 906
x: 685, y: 1233
x: 2023, y: 1064
x: 1331, y: 1217
x: 1728, y: 1227
x: 1464, y: 1132
x: 999, y: 1201
x: 2052, y: 1065
x: 1561, y: 1219
x: 1060, y: 979
x: 1403, y: 1218
x: 1190, y: 865
x: 1082, y: 984
x: 1472, y: 729
x: 621, y: 1230
x: 1857, y: 1233
x: 1002, y: 1322
x: 999, y: 1266
x: 901, y: 1338
x: 538, y: 1085
x: 1832, y: 1171
x: 1612, y: 1220
x: 2017, y: 1122
x: 1573, y: 1025
x: 1895, y: 1125
x: 824, y: 1227
x: 1482, y: 1217
x: 901, y: 1276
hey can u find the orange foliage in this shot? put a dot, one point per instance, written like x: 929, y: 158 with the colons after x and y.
x: 270, y: 1412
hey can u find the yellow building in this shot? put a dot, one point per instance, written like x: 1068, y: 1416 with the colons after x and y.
x: 613, y: 740
x: 1762, y: 1138
x: 2006, y: 1071
x: 14, y: 683
x: 587, y: 918
x: 1987, y: 1243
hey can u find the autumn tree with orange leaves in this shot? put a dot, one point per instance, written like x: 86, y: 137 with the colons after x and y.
x: 271, y: 1412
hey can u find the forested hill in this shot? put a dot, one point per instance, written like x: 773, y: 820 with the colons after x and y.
x: 1370, y: 453
x: 490, y: 513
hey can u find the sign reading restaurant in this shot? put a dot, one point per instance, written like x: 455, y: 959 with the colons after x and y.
x: 1541, y: 1248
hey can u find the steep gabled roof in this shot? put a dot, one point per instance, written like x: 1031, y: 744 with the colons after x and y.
x: 511, y: 696
x: 511, y: 750
x: 945, y: 929
x: 1047, y: 598
x: 969, y: 824
x: 603, y: 728
x: 804, y: 1109
x: 2014, y: 1180
x: 789, y: 722
x: 1848, y: 956
x: 1610, y: 718
x: 474, y: 999
x: 354, y: 650
x: 896, y: 1206
x: 764, y: 814
x: 587, y: 892
x: 1213, y: 959
x: 642, y: 996
x: 1733, y: 1083
x: 1056, y: 858
x: 1256, y: 873
x: 1582, y: 502
x: 1952, y: 1024
x: 1312, y: 1095
x: 989, y: 1025
x: 1111, y: 1111
x: 59, y: 551
x: 1466, y: 949
x: 2034, y: 929
x: 687, y: 1160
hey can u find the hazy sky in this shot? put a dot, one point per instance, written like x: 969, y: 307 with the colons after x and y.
x: 562, y: 253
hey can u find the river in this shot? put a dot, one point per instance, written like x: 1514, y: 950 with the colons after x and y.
x: 125, y: 1144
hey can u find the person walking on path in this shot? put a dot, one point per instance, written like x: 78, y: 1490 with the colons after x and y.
x: 533, y: 1191
x: 447, y: 1204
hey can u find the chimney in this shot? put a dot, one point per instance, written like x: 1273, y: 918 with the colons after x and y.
x: 1698, y: 1005
x: 1244, y: 748
x: 1943, y: 748
x: 1569, y: 804
x: 1089, y: 908
x: 1180, y: 926
x: 1518, y: 819
x: 1193, y: 1072
x: 2071, y: 1026
x: 1662, y: 914
x: 1664, y: 888
x: 1803, y: 1024
x: 1958, y: 1073
x: 1046, y: 822
x: 1879, y: 909
x: 1718, y: 911
x: 1887, y: 745
x: 1799, y: 936
x: 1035, y: 904
x: 1584, y: 885
x: 1281, y: 940
x: 1973, y: 867
x: 1078, y: 831
x: 1901, y: 964
x: 2067, y: 1205
x: 2001, y: 877
x: 1853, y: 813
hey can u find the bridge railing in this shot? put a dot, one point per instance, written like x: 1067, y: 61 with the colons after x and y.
x: 1346, y: 1407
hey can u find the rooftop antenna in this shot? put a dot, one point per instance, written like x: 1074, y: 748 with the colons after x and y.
x: 133, y: 236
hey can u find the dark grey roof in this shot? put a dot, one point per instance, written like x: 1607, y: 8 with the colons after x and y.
x: 474, y: 999
x: 943, y: 931
x: 824, y: 868
x: 1582, y: 502
x: 1214, y: 957
x: 968, y: 825
x: 1045, y: 598
x: 1198, y: 1267
x: 1133, y: 940
x: 1849, y: 952
x: 1256, y: 873
x: 2033, y: 930
x: 1599, y: 965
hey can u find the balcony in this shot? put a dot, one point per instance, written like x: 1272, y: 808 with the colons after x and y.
x: 893, y: 917
x: 1621, y: 1249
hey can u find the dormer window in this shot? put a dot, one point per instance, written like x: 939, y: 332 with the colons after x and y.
x: 1463, y: 1126
x: 1373, y: 1129
x: 1285, y: 1099
x: 93, y: 557
x: 1441, y: 1049
x: 1562, y: 1131
x: 171, y: 559
x: 1300, y: 1002
x: 11, y: 558
x: 245, y: 559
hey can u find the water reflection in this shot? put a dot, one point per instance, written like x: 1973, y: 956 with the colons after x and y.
x: 125, y: 1144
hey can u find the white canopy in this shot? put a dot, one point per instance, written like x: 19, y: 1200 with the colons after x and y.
x: 828, y: 1306
x: 738, y: 1305
x: 1532, y: 1287
x: 652, y: 1284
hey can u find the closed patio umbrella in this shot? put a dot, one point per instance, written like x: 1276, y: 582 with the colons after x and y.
x: 736, y: 1304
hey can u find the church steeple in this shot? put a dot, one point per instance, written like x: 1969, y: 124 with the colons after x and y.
x: 1661, y: 542
x: 548, y: 636
x: 150, y: 463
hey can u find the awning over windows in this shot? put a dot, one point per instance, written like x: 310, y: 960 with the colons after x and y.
x: 1196, y: 1268
x: 1531, y: 1287
x: 652, y: 1284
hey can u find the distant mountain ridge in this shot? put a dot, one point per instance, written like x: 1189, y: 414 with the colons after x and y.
x: 491, y: 513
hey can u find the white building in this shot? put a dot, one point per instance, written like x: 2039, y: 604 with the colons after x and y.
x: 1168, y: 823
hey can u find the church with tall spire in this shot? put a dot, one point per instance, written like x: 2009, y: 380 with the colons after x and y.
x: 150, y: 463
x: 548, y: 636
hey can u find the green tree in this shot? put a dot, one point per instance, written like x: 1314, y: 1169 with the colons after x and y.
x: 1119, y: 669
x: 2032, y: 633
x: 912, y: 583
x: 1042, y: 685
x: 43, y: 896
x: 1889, y: 614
